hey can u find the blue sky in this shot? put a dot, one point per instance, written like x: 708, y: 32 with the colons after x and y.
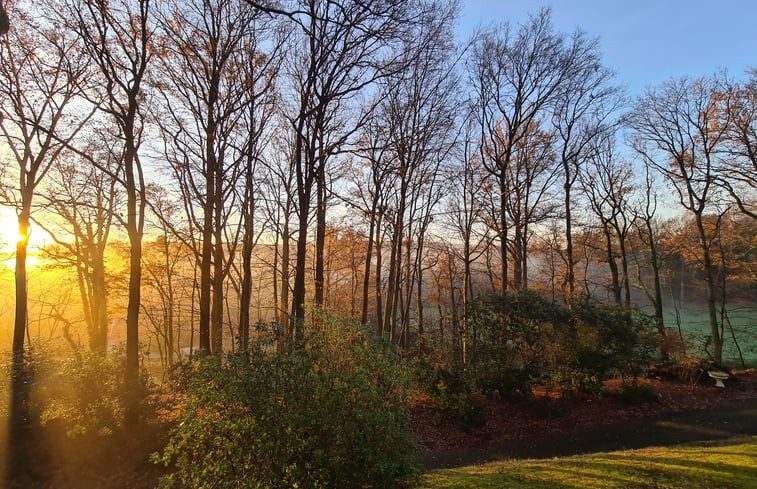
x: 645, y: 41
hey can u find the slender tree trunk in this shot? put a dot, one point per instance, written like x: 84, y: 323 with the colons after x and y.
x: 461, y: 333
x: 624, y: 269
x: 570, y: 275
x: 524, y: 256
x: 517, y: 255
x: 616, y: 292
x: 657, y: 303
x: 21, y: 314
x: 395, y: 264
x: 206, y: 266
x: 298, y: 293
x: 285, y: 242
x: 320, y: 236
x: 134, y: 224
x: 100, y: 309
x: 247, y: 244
x: 380, y: 327
x: 717, y: 339
x: 275, y: 268
x: 170, y: 346
x: 368, y: 258
x: 503, y: 228
x: 217, y: 311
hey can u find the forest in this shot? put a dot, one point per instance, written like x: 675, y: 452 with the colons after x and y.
x: 298, y: 213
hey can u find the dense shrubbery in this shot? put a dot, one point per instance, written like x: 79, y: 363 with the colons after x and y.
x: 520, y: 338
x: 332, y: 414
x: 83, y: 394
x: 437, y: 373
x: 87, y: 393
x: 515, y: 337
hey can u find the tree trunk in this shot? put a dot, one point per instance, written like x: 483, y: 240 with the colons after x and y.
x: 134, y: 225
x: 615, y: 286
x: 247, y: 243
x: 368, y: 258
x: 657, y: 302
x: 379, y: 290
x: 206, y: 267
x: 320, y: 236
x: 570, y: 276
x: 717, y: 339
x: 503, y: 227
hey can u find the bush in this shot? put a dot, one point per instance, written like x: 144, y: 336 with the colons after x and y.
x: 87, y: 394
x: 436, y: 373
x: 520, y: 338
x: 578, y: 381
x: 453, y: 396
x: 612, y: 339
x: 515, y: 338
x: 333, y: 414
x: 636, y: 393
x: 83, y: 394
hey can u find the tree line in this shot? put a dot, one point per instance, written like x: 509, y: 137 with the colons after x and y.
x: 257, y: 161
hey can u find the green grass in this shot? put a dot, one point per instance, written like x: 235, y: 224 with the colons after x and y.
x: 728, y: 464
x: 695, y: 323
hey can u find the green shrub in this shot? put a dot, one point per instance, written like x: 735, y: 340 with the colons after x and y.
x: 453, y: 397
x: 515, y: 338
x: 612, y: 339
x: 333, y: 414
x: 83, y: 394
x: 520, y: 337
x: 579, y: 381
x: 436, y: 373
x: 633, y: 393
x: 86, y: 393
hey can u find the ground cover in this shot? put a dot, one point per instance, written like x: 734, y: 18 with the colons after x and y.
x: 536, y: 428
x: 728, y: 464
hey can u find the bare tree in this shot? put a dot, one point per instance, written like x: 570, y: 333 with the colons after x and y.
x: 607, y: 182
x: 530, y: 179
x: 215, y: 73
x: 339, y: 51
x: 419, y: 110
x: 738, y: 166
x: 372, y: 181
x: 466, y: 218
x: 117, y: 38
x: 42, y: 77
x: 518, y: 75
x: 583, y: 113
x: 677, y: 131
x: 261, y: 72
x: 646, y: 223
x: 85, y: 201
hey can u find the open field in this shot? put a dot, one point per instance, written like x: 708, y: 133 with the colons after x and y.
x: 728, y: 464
x: 696, y: 327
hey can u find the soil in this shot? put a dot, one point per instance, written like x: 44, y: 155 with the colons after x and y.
x: 544, y: 426
x: 550, y: 425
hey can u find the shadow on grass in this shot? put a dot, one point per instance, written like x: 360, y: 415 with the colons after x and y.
x: 737, y: 418
x: 731, y: 464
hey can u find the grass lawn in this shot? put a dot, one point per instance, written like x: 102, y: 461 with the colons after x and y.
x: 730, y: 464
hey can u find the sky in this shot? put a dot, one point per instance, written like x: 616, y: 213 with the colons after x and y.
x: 646, y: 42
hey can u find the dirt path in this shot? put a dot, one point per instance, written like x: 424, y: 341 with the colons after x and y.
x: 731, y: 418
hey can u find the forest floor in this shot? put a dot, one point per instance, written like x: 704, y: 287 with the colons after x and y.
x: 542, y: 427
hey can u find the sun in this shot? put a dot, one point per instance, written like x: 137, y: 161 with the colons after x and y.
x: 9, y: 238
x: 9, y: 235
